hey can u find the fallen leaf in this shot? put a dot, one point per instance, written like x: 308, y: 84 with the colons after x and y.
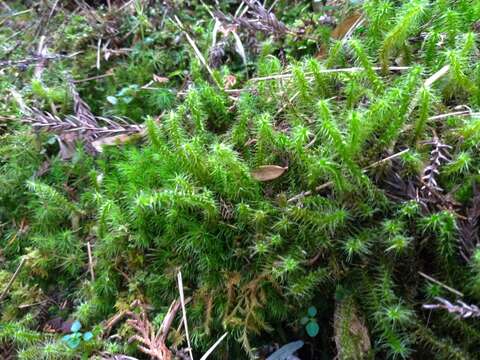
x: 239, y: 47
x: 268, y: 172
x: 113, y: 140
x: 160, y: 79
x: 342, y: 29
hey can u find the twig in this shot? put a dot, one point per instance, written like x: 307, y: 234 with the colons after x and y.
x: 196, y: 50
x: 168, y: 320
x: 26, y: 306
x: 327, y: 71
x: 90, y: 261
x: 99, y: 46
x: 41, y: 52
x: 272, y: 6
x: 330, y: 183
x: 286, y: 104
x: 12, y: 279
x: 54, y: 7
x: 462, y: 309
x: 112, y: 322
x: 13, y: 15
x: 35, y: 59
x: 439, y: 74
x: 446, y: 287
x: 150, y: 342
x: 182, y: 300
x: 428, y: 83
x: 4, y: 4
x: 213, y: 347
x: 93, y: 78
x: 455, y: 113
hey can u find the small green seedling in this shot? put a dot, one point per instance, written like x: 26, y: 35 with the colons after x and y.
x: 74, y: 339
x: 310, y: 323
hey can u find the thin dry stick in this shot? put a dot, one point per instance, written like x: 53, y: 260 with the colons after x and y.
x: 41, y: 52
x: 327, y: 71
x: 214, y: 346
x: 446, y: 287
x: 52, y: 11
x: 289, y: 102
x: 168, y: 320
x: 272, y: 6
x: 381, y: 161
x: 455, y: 113
x: 184, y: 311
x: 197, y: 51
x: 14, y: 276
x: 93, y: 78
x: 99, y: 46
x: 330, y: 183
x: 439, y: 74
x: 90, y: 260
x: 15, y: 14
x: 427, y: 83
x: 354, y: 27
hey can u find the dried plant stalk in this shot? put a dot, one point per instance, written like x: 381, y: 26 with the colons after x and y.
x: 461, y: 309
x: 468, y: 228
x: 151, y: 342
x: 257, y: 19
x: 83, y: 126
x: 438, y: 156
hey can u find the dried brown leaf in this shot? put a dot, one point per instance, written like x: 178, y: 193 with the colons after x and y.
x: 342, y: 28
x: 268, y: 172
x: 112, y: 140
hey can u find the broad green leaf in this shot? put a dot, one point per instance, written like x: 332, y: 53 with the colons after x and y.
x: 312, y: 311
x: 87, y: 336
x: 312, y: 328
x: 73, y: 342
x: 76, y: 326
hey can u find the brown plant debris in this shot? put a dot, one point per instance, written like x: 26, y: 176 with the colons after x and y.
x: 256, y: 19
x: 152, y: 342
x: 461, y: 309
x: 74, y: 127
x: 82, y: 126
x: 438, y: 156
